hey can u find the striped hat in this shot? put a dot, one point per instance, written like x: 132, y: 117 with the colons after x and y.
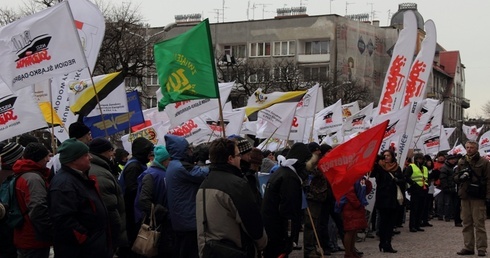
x: 11, y: 153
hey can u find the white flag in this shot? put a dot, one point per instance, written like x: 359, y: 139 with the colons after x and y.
x: 40, y: 46
x: 308, y: 104
x: 329, y: 119
x: 350, y: 109
x: 471, y: 132
x: 484, y: 144
x: 358, y: 122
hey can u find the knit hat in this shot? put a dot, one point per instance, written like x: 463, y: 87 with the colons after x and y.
x: 35, y: 151
x: 313, y: 146
x: 120, y: 154
x: 100, y: 145
x: 11, y: 153
x: 451, y: 156
x: 71, y: 150
x: 244, y: 145
x: 256, y: 156
x: 141, y: 147
x: 324, y: 148
x: 161, y: 153
x: 299, y: 151
x: 26, y: 139
x: 78, y: 130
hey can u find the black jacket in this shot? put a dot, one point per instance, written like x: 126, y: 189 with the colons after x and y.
x: 79, y: 216
x: 386, y: 193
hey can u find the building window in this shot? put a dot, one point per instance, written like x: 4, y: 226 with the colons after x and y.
x: 260, y: 49
x: 316, y: 74
x: 262, y: 75
x: 237, y: 51
x: 317, y: 47
x: 152, y: 80
x: 284, y: 48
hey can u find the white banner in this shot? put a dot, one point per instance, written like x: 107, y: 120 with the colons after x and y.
x: 484, y: 144
x: 396, y: 127
x: 358, y: 122
x: 308, y: 104
x: 278, y: 113
x: 395, y: 80
x: 329, y: 119
x: 350, y: 109
x: 115, y: 102
x: 471, y: 132
x: 40, y: 46
x: 154, y: 133
x: 192, y: 130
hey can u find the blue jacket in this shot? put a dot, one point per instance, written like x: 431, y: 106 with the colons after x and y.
x: 155, y: 193
x: 183, y: 180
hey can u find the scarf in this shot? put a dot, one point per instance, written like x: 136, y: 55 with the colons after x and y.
x: 390, y: 167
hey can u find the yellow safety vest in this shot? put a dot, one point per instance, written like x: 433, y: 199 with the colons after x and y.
x: 418, y: 177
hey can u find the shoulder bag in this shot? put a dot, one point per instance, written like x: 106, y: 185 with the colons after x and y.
x: 146, y: 242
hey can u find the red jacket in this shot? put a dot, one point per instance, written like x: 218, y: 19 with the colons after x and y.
x: 32, y: 194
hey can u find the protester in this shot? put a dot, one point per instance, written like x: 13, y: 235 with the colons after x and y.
x: 386, y: 172
x: 121, y: 156
x: 34, y: 237
x: 353, y: 213
x: 9, y: 154
x: 282, y: 204
x: 473, y: 169
x: 268, y: 161
x: 448, y: 194
x: 251, y: 175
x: 183, y: 180
x: 26, y: 138
x: 232, y: 213
x: 152, y: 190
x: 318, y: 207
x: 79, y: 217
x: 101, y: 151
x: 416, y: 175
x: 428, y: 208
x: 141, y: 149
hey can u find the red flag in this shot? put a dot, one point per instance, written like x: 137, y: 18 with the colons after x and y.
x: 348, y: 162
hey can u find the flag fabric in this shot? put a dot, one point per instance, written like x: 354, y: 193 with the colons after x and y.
x: 260, y: 100
x: 395, y: 79
x: 395, y: 129
x: 349, y: 109
x: 421, y: 67
x: 233, y: 121
x: 114, y: 123
x: 358, y: 122
x: 185, y: 66
x: 115, y: 102
x: 278, y: 113
x: 329, y: 119
x: 484, y: 144
x: 449, y: 131
x: 458, y: 149
x: 82, y: 94
x: 348, y: 162
x: 471, y: 132
x: 19, y: 112
x: 307, y: 105
x: 182, y: 111
x: 40, y: 46
x: 192, y: 130
x: 154, y: 133
x: 49, y: 114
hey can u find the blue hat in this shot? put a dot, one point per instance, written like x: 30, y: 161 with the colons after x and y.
x: 161, y: 153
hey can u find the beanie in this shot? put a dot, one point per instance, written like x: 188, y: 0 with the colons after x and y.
x: 35, y: 151
x: 78, y: 130
x: 141, y: 147
x: 120, y: 154
x: 11, y: 153
x: 26, y: 139
x: 300, y: 152
x: 256, y: 156
x: 100, y: 145
x: 71, y: 150
x: 160, y: 153
x: 313, y: 146
x: 244, y: 145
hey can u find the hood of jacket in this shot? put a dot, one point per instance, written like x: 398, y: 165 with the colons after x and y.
x: 27, y: 165
x: 177, y: 147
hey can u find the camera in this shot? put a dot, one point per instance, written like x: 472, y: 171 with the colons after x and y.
x: 465, y: 174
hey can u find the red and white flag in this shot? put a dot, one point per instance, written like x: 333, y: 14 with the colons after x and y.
x: 358, y: 122
x: 396, y: 128
x: 329, y: 119
x: 396, y: 76
x: 40, y: 46
x: 471, y: 132
x: 348, y: 162
x: 484, y: 144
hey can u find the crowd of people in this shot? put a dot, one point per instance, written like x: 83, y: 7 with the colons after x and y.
x: 90, y: 199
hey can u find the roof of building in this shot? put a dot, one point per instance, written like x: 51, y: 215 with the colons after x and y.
x: 450, y: 60
x: 397, y: 18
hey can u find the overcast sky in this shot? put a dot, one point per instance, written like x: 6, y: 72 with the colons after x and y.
x: 460, y: 25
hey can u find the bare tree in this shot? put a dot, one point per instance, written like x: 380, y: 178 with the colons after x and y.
x: 486, y: 109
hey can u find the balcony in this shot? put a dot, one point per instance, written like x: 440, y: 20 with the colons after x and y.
x: 465, y: 103
x: 315, y: 58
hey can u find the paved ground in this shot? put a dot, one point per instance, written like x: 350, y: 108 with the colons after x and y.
x: 441, y: 240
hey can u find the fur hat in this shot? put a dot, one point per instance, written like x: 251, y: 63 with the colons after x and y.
x: 35, y: 151
x: 256, y: 156
x: 78, y: 130
x: 100, y: 145
x: 71, y: 150
x: 11, y: 153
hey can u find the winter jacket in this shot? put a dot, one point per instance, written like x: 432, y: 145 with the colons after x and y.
x: 78, y: 214
x: 151, y: 190
x: 446, y: 180
x: 183, y: 180
x: 352, y: 205
x: 480, y: 167
x: 386, y: 192
x: 31, y: 191
x: 111, y: 194
x: 231, y: 210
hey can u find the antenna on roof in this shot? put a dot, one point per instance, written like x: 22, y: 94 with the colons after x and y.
x: 347, y: 4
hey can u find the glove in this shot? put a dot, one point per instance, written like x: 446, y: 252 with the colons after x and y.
x: 465, y: 176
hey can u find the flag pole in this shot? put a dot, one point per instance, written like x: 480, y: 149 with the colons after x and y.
x: 98, y: 103
x: 267, y: 141
x: 53, y: 145
x: 221, y: 120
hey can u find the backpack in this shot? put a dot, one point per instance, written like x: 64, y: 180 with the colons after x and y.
x: 14, y: 217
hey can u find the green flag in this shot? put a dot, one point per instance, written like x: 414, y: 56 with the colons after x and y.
x: 185, y: 66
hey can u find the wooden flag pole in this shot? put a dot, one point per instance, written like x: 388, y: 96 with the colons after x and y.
x: 221, y: 120
x: 53, y: 145
x: 267, y: 141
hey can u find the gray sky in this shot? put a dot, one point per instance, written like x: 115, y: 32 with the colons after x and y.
x: 460, y: 25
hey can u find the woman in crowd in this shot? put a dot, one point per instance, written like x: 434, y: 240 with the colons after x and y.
x: 385, y: 171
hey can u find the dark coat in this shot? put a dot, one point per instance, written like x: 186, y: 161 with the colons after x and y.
x: 446, y: 180
x: 80, y: 219
x: 386, y: 193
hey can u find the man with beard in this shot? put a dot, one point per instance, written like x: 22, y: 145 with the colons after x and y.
x: 282, y: 204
